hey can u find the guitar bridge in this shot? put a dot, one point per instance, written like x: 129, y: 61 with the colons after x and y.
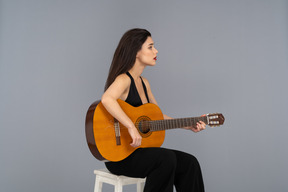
x: 117, y: 132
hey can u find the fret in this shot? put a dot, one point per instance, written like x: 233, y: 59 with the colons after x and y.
x: 158, y: 126
x: 168, y: 124
x: 174, y: 123
x: 151, y: 126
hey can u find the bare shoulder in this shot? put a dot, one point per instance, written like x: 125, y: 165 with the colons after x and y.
x: 122, y: 83
x: 150, y: 94
x: 123, y: 79
x: 119, y: 87
x: 146, y: 81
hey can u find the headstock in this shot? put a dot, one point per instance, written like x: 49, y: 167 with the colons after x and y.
x: 215, y: 119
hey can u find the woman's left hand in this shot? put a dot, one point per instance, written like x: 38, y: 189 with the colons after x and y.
x: 198, y: 127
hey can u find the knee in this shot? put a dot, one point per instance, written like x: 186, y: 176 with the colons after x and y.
x: 193, y: 159
x: 168, y: 159
x: 193, y: 162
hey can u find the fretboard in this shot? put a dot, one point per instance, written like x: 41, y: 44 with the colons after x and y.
x: 160, y: 125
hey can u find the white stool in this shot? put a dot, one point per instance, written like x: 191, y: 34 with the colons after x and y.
x: 104, y: 176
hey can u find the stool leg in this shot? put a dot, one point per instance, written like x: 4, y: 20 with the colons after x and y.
x: 98, y: 185
x: 140, y: 186
x: 118, y: 187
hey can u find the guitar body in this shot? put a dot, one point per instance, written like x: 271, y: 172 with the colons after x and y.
x: 107, y: 143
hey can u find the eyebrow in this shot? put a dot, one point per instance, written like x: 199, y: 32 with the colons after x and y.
x: 151, y: 44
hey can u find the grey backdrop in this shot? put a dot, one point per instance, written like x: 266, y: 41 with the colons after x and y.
x: 224, y: 56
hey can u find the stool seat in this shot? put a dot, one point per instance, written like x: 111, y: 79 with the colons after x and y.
x: 104, y: 176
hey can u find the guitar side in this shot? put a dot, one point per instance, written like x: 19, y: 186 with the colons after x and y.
x: 90, y: 133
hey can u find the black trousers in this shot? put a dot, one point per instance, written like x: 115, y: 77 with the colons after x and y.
x: 162, y: 168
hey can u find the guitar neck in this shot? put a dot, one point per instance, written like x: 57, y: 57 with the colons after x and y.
x: 160, y: 125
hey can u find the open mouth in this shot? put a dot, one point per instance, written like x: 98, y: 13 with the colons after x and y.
x: 155, y: 58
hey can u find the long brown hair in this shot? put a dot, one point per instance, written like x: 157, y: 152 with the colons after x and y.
x: 125, y: 53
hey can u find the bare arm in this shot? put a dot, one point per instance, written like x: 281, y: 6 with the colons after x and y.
x: 116, y: 91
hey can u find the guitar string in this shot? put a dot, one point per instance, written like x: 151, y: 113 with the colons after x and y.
x: 171, y: 123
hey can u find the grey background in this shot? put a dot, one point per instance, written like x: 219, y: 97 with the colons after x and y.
x: 214, y: 56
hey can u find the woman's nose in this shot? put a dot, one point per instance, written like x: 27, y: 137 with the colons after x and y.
x: 156, y: 51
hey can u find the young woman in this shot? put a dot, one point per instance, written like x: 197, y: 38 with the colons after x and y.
x: 162, y: 167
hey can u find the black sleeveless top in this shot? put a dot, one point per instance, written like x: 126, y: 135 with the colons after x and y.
x: 133, y: 97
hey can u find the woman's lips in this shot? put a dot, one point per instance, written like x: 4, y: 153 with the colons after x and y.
x: 155, y: 58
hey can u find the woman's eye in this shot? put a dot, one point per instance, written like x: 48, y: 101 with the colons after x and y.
x: 149, y: 47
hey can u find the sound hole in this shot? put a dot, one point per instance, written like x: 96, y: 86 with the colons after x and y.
x: 142, y: 124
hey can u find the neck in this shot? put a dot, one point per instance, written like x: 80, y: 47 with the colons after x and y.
x: 137, y: 70
x: 160, y: 125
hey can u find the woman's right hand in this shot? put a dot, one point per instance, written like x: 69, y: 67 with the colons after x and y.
x: 136, y: 137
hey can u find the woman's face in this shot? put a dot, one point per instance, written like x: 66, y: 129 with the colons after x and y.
x: 148, y: 54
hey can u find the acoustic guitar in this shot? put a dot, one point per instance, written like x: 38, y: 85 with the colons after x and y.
x: 109, y: 140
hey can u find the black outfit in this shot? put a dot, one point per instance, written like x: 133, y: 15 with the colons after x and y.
x: 133, y: 96
x: 162, y: 167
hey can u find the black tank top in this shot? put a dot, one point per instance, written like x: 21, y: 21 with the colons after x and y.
x: 133, y: 97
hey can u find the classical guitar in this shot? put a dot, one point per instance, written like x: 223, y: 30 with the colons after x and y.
x: 109, y: 140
